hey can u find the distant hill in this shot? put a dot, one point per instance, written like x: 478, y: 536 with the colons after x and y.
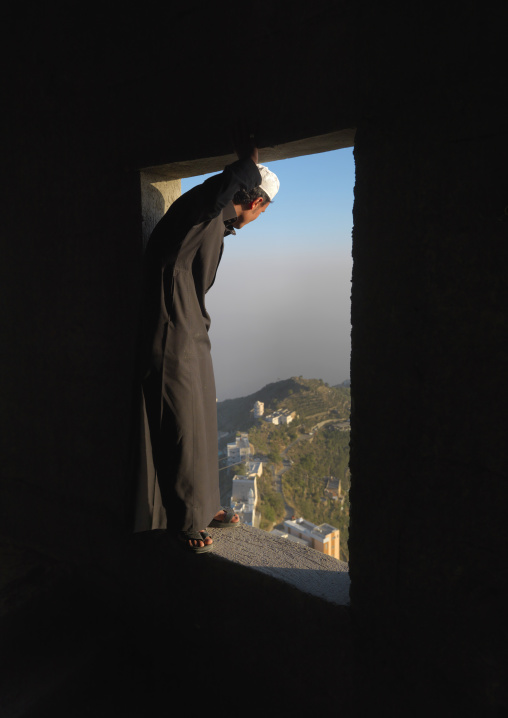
x: 308, y: 397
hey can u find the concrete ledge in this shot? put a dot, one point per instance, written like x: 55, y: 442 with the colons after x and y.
x: 304, y: 568
x: 144, y: 621
x: 87, y: 638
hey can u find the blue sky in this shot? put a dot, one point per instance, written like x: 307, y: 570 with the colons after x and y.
x: 280, y: 305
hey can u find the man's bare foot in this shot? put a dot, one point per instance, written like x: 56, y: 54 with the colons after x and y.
x: 221, y: 515
x: 206, y: 540
x: 195, y: 541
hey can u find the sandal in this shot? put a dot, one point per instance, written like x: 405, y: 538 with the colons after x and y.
x: 185, y: 536
x: 227, y: 523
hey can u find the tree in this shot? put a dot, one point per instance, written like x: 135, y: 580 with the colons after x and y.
x: 275, y: 456
x: 240, y: 470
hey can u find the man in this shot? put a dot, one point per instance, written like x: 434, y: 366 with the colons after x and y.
x: 181, y: 261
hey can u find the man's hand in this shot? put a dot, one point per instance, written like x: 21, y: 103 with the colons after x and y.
x: 244, y: 140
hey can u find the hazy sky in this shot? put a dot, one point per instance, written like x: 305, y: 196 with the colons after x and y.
x: 280, y: 305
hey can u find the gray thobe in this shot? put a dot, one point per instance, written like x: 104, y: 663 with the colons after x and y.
x: 179, y: 482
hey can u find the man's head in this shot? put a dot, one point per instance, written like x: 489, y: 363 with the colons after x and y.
x: 250, y: 204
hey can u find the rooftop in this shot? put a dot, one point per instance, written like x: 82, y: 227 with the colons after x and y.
x: 324, y: 529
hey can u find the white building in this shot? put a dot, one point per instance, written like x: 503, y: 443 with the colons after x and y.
x: 256, y: 467
x: 240, y: 450
x: 259, y: 409
x: 281, y: 417
x: 244, y: 498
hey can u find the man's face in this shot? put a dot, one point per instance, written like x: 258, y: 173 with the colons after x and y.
x: 249, y: 212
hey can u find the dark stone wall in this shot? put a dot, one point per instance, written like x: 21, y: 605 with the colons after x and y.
x: 429, y: 390
x: 70, y: 279
x: 428, y: 371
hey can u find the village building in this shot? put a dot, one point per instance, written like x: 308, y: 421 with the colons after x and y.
x: 259, y: 409
x: 323, y: 538
x: 255, y: 467
x: 281, y: 417
x: 332, y: 488
x: 240, y: 450
x: 244, y: 497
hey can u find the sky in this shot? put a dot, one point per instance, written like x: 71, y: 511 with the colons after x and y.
x: 280, y: 305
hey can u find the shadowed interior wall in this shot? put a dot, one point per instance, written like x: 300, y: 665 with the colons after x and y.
x: 428, y: 370
x: 70, y: 288
x: 428, y: 425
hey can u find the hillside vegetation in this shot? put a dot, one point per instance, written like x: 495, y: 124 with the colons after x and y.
x: 310, y: 398
x: 302, y: 460
x: 304, y: 483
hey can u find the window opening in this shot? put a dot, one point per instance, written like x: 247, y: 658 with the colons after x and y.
x: 280, y: 335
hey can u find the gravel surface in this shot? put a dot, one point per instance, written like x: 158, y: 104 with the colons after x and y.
x: 303, y: 567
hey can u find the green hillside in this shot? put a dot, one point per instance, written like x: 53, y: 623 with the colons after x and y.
x: 310, y: 398
x: 326, y: 454
x: 303, y: 460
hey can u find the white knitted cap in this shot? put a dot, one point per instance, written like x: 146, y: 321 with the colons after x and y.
x: 269, y: 181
